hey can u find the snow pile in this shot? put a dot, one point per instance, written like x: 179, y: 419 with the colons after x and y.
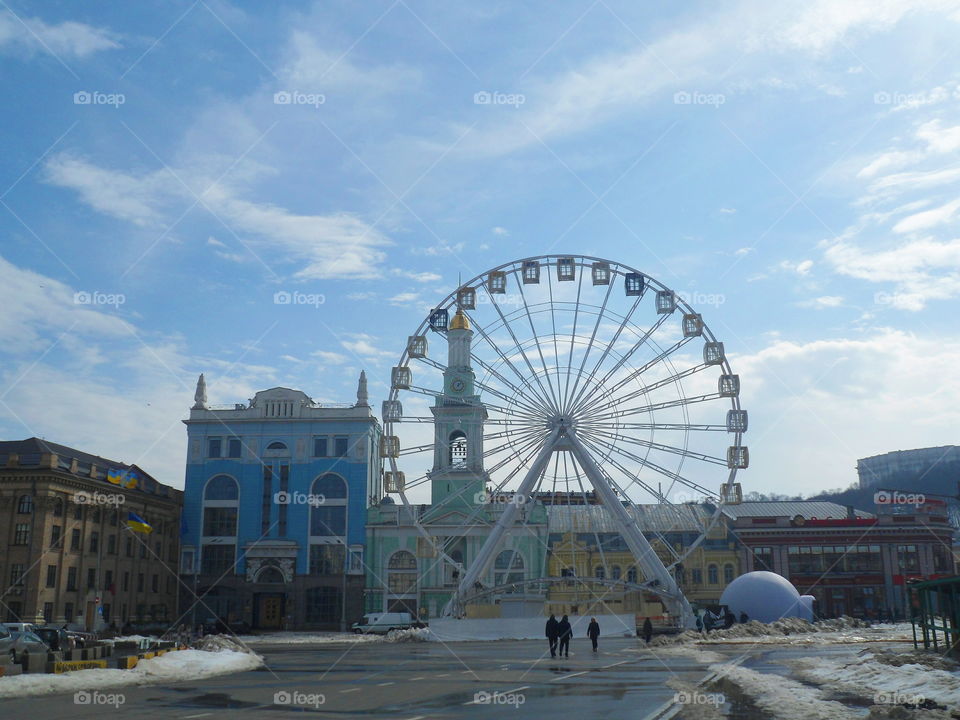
x: 409, y: 635
x: 219, y: 643
x: 316, y: 638
x: 839, y: 630
x: 179, y: 666
x: 887, y: 678
x: 783, y: 698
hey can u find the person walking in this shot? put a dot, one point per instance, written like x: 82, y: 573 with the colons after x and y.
x: 647, y: 630
x: 553, y: 632
x: 566, y: 632
x: 593, y: 632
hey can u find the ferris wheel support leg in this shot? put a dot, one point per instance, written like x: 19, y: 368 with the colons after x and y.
x: 647, y: 558
x: 490, y: 546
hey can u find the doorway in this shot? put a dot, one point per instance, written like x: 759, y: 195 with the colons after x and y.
x: 269, y: 611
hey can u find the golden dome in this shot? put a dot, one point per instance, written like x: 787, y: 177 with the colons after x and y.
x: 460, y: 321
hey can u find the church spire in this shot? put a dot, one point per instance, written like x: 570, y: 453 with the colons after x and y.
x: 363, y: 399
x: 200, y: 396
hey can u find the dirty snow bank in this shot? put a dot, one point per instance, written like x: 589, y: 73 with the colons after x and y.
x: 794, y: 631
x: 176, y: 666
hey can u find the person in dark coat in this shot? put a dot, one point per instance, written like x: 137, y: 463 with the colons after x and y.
x: 593, y: 632
x: 566, y: 632
x: 553, y: 632
x: 744, y: 618
x: 647, y: 630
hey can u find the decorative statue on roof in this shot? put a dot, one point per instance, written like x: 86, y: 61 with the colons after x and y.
x: 200, y: 396
x: 363, y: 399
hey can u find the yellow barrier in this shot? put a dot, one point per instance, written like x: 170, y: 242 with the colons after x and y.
x: 127, y: 663
x: 70, y: 665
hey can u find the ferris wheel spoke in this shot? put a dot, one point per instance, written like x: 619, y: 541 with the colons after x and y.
x: 423, y: 419
x: 588, y: 425
x: 507, y: 412
x: 703, y: 457
x: 646, y: 389
x: 517, y: 452
x: 635, y: 479
x: 597, y: 395
x: 536, y: 399
x: 554, y: 394
x: 586, y: 395
x: 512, y: 435
x: 545, y: 396
x: 680, y: 402
x: 586, y: 353
x: 573, y: 336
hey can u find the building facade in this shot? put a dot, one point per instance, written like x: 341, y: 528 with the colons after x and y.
x: 67, y: 554
x: 275, y: 505
x: 879, y: 470
x: 852, y: 562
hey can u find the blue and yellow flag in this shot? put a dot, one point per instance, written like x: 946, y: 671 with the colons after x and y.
x: 123, y: 478
x: 138, y: 524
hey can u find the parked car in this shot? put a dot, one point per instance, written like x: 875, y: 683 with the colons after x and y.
x: 19, y: 626
x: 6, y: 644
x: 25, y: 642
x: 382, y: 623
x: 56, y: 638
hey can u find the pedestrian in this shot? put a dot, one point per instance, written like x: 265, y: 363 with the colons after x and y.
x: 553, y: 632
x: 566, y: 632
x: 647, y: 630
x: 699, y: 623
x: 593, y: 632
x: 744, y: 617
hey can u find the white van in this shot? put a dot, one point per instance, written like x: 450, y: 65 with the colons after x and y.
x: 384, y: 622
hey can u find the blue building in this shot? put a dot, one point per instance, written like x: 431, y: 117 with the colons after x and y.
x: 275, y: 509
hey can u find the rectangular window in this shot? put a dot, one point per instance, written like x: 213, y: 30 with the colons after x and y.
x: 213, y: 447
x: 696, y: 576
x: 326, y: 559
x: 55, y: 535
x: 320, y: 447
x: 129, y: 547
x: 139, y: 582
x: 71, y: 578
x: 143, y: 550
x: 340, y: 446
x: 187, y: 557
x: 328, y: 520
x: 48, y: 612
x: 106, y: 612
x: 75, y: 539
x: 356, y: 561
x: 158, y: 550
x: 267, y: 503
x: 21, y: 535
x: 155, y: 584
x: 284, y: 483
x: 51, y: 576
x: 16, y: 574
x: 217, y: 559
x: 233, y: 447
x: 68, y: 612
x: 111, y: 544
x: 126, y: 581
x: 94, y: 541
x: 92, y: 579
x: 108, y: 580
x: 323, y: 605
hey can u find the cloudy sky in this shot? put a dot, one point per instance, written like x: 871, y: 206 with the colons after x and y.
x: 166, y: 171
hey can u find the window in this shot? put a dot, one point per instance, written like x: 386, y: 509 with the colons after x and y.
x: 92, y: 579
x: 108, y: 580
x: 320, y: 447
x: 220, y: 521
x: 615, y: 572
x: 233, y: 447
x: 48, y: 612
x: 114, y: 518
x: 599, y: 572
x: 222, y: 487
x: 632, y: 575
x: 728, y: 574
x: 329, y: 517
x: 55, y: 536
x: 14, y: 609
x: 68, y: 611
x: 94, y: 541
x: 126, y: 581
x: 217, y: 559
x: 21, y: 534
x: 284, y: 486
x: 139, y: 582
x: 111, y: 544
x: 277, y: 446
x: 266, y: 504
x: 51, y: 576
x: 78, y: 512
x: 340, y: 446
x: 763, y: 558
x: 25, y: 505
x: 402, y: 573
x: 326, y: 559
x: 214, y: 447
x: 75, y: 539
x: 508, y: 568
x: 16, y: 574
x: 323, y: 605
x: 58, y: 508
x: 158, y: 550
x: 129, y: 548
x: 155, y: 584
x: 713, y: 576
x: 909, y: 559
x: 143, y: 550
x: 71, y: 578
x: 458, y: 449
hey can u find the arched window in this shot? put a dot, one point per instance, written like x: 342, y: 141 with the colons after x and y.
x: 632, y: 575
x: 508, y: 568
x: 600, y: 572
x: 615, y: 572
x: 328, y: 509
x: 270, y: 575
x: 728, y: 573
x: 712, y: 575
x: 458, y: 449
x: 221, y: 502
x: 222, y: 487
x: 276, y: 449
x: 25, y: 504
x: 276, y: 446
x: 402, y: 573
x: 58, y: 507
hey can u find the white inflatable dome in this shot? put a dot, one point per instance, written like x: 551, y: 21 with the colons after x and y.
x: 765, y: 596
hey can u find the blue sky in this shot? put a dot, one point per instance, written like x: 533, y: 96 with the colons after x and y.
x: 796, y: 166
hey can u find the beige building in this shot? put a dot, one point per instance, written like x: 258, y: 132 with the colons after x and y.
x: 67, y: 554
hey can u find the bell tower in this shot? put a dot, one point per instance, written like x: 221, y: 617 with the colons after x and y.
x: 458, y: 477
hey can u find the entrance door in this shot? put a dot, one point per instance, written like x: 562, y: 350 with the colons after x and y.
x: 269, y: 612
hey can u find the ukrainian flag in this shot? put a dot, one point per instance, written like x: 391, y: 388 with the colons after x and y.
x: 124, y: 478
x: 138, y: 524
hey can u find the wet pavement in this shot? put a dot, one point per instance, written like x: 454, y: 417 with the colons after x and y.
x: 430, y: 681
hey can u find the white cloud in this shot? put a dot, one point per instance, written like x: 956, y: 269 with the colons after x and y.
x: 497, y: 230
x: 728, y: 211
x: 67, y: 40
x: 362, y: 344
x: 823, y: 302
x: 421, y: 277
x: 331, y: 358
x: 928, y: 218
x: 404, y: 299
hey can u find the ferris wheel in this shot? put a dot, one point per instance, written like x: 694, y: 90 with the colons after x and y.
x: 576, y: 385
